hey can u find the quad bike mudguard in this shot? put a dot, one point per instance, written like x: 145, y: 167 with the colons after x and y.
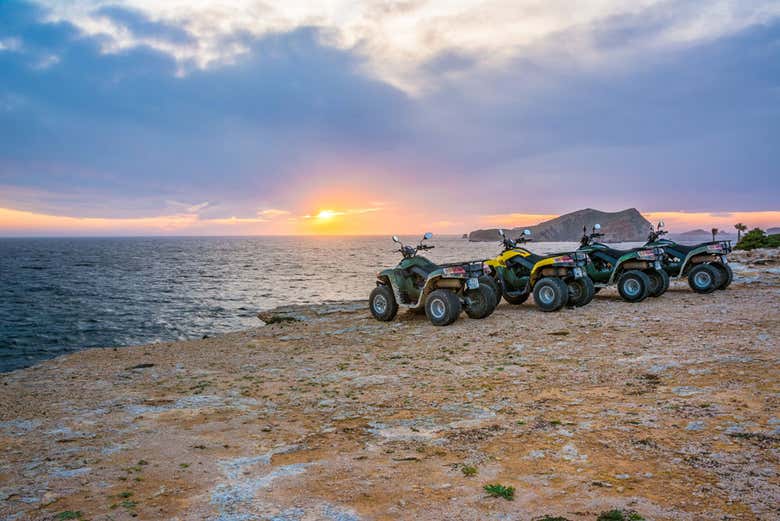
x: 646, y: 258
x: 680, y: 259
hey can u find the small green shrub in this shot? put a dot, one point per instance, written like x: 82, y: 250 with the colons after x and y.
x: 620, y: 515
x: 280, y: 319
x: 552, y: 518
x: 756, y: 238
x: 499, y: 490
x: 469, y: 470
x: 68, y: 514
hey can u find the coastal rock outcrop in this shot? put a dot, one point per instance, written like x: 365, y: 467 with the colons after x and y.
x: 622, y: 226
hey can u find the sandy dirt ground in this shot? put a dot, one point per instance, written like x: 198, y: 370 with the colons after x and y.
x: 668, y: 408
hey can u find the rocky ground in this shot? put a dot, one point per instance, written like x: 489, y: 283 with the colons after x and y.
x: 668, y: 409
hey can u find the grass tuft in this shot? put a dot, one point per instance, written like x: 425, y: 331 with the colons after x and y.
x: 620, y: 515
x: 469, y: 470
x: 499, y: 490
x: 68, y: 514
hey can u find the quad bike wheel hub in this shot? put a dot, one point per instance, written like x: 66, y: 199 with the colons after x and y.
x: 438, y: 309
x: 547, y: 295
x: 632, y: 287
x: 380, y: 304
x: 702, y: 279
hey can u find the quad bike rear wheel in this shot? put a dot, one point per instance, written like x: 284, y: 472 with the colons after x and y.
x: 382, y: 303
x: 726, y: 272
x: 581, y: 291
x: 551, y: 293
x: 480, y: 302
x: 705, y: 278
x: 634, y: 286
x: 659, y: 282
x: 442, y: 307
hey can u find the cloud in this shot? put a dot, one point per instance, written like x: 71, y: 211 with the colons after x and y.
x: 442, y: 114
x: 408, y: 44
x: 272, y: 213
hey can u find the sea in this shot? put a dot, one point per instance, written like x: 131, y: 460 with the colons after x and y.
x: 59, y: 295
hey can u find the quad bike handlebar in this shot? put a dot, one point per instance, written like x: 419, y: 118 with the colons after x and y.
x: 655, y: 235
x: 411, y: 251
x: 587, y: 238
x: 508, y: 243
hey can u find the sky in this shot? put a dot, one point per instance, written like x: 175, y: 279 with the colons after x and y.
x: 185, y: 117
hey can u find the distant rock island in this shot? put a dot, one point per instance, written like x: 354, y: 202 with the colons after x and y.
x: 626, y: 225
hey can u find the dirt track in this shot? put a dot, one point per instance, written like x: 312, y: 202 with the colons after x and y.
x: 668, y: 408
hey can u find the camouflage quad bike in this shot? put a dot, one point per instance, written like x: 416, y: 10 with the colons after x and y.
x: 554, y: 280
x: 637, y: 272
x: 705, y: 264
x: 442, y: 290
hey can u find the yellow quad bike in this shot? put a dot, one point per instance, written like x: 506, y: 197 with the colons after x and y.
x: 554, y: 280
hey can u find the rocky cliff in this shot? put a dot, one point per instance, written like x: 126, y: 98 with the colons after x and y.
x: 626, y: 225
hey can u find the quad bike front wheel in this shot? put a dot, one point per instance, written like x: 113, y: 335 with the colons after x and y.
x: 515, y: 299
x: 551, y: 294
x: 442, y: 307
x: 581, y: 291
x: 659, y: 282
x: 726, y: 272
x: 492, y: 284
x: 382, y: 303
x: 634, y: 286
x: 705, y: 278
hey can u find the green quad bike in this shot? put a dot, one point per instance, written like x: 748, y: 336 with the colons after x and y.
x: 554, y: 280
x: 441, y: 290
x: 705, y: 264
x: 637, y: 272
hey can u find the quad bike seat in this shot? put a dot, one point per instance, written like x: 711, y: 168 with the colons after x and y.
x: 536, y: 258
x: 686, y: 249
x: 527, y: 260
x: 616, y: 253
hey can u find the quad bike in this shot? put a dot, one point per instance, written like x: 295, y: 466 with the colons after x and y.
x: 554, y: 280
x: 637, y: 272
x: 441, y: 290
x: 705, y: 264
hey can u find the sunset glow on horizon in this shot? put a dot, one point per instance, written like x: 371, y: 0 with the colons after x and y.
x: 329, y: 222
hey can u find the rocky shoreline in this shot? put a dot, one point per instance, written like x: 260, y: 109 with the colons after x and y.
x: 668, y: 409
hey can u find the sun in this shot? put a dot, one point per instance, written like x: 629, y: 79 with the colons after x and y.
x: 325, y: 215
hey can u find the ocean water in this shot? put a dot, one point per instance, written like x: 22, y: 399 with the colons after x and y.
x: 61, y: 295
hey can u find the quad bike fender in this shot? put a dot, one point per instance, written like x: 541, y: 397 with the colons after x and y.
x: 700, y: 258
x: 384, y: 277
x: 631, y: 261
x: 552, y: 267
x: 710, y: 252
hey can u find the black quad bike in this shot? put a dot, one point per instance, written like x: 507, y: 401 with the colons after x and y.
x: 637, y: 272
x: 442, y: 290
x: 554, y: 280
x: 705, y: 264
